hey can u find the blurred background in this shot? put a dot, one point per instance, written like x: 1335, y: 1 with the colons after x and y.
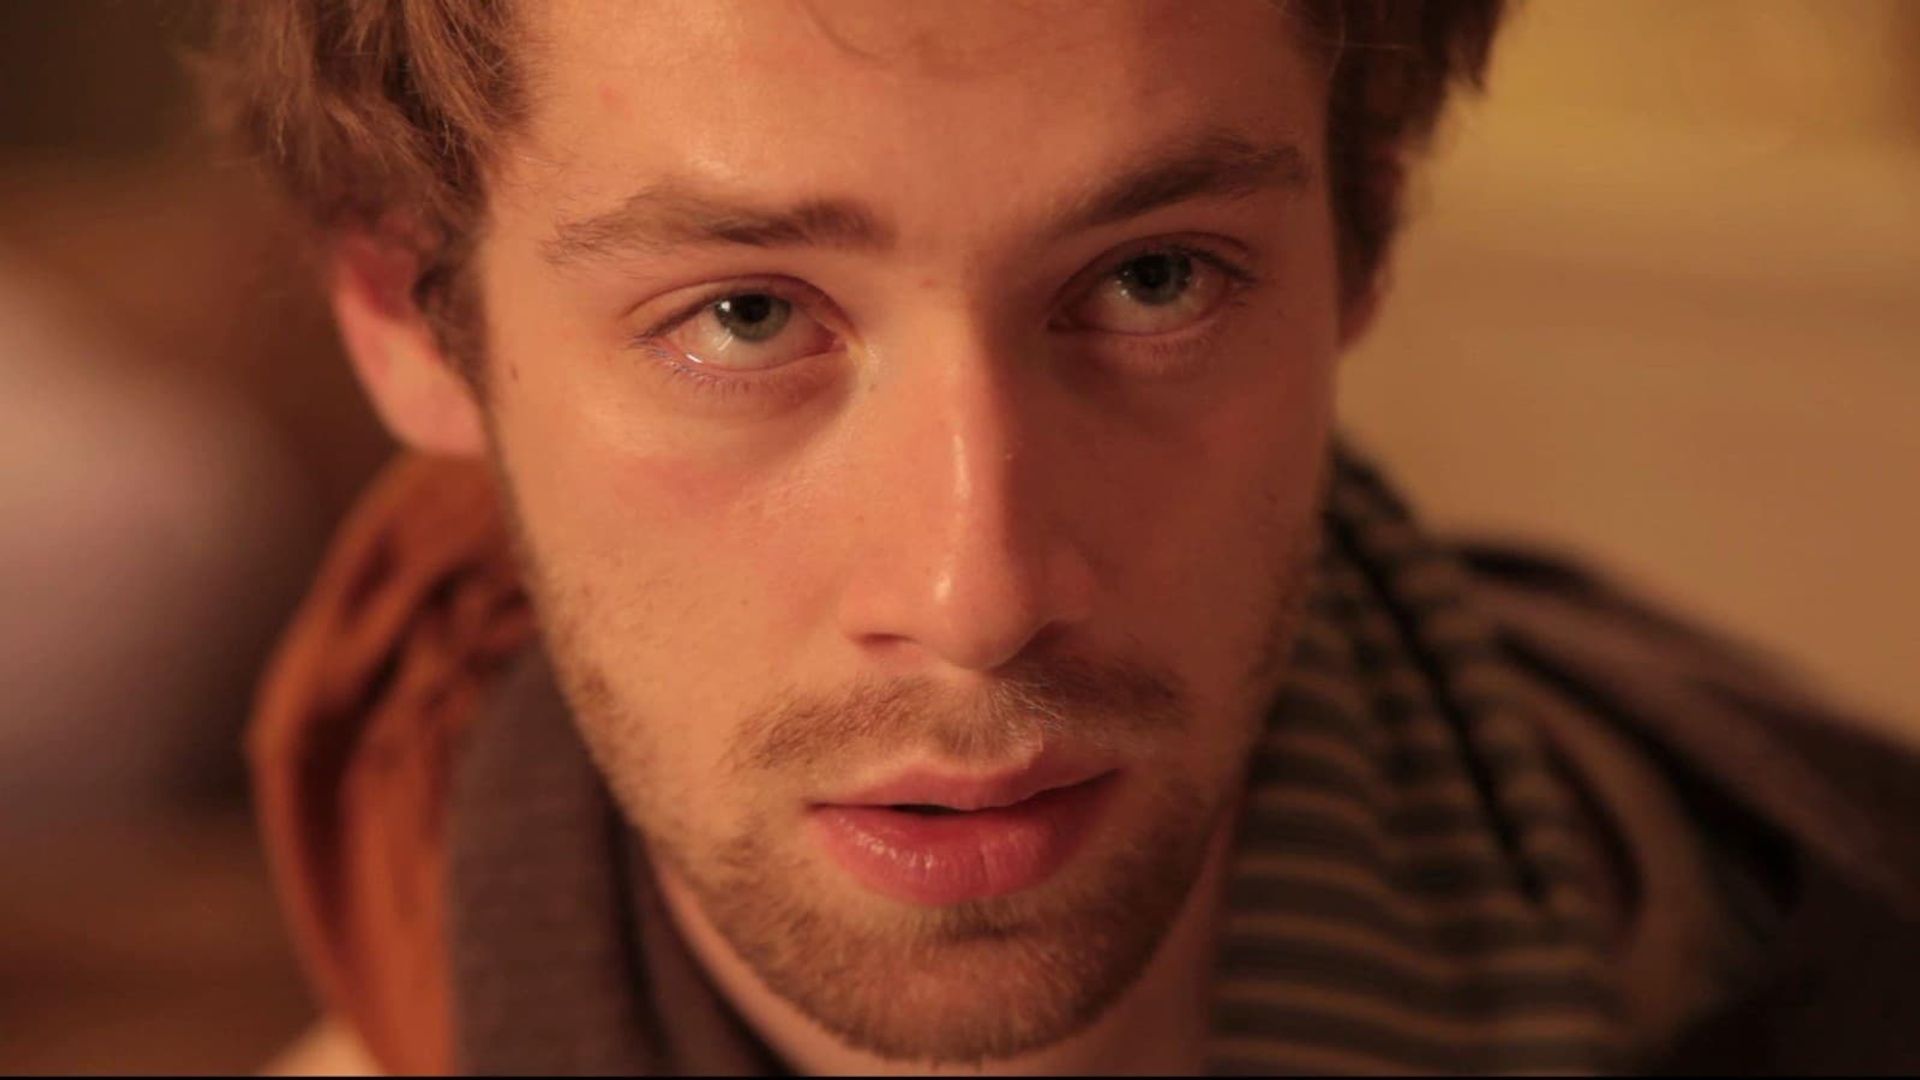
x: 1658, y: 306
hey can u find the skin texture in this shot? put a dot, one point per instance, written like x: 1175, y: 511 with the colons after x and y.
x: 981, y: 500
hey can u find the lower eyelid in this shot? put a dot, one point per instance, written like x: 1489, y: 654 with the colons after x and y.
x: 1232, y: 288
x: 785, y: 383
x: 1169, y: 353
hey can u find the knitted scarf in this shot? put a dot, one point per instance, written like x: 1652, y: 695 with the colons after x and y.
x: 1421, y: 881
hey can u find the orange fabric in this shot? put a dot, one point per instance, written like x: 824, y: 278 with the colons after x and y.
x: 417, y: 604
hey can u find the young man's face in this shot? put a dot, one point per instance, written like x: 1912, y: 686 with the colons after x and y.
x: 917, y: 404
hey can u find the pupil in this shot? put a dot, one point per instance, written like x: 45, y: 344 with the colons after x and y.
x: 1157, y: 279
x: 752, y: 316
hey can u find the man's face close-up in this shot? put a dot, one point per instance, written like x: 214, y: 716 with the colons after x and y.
x: 914, y: 417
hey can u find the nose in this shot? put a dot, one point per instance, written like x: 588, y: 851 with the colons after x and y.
x: 966, y: 557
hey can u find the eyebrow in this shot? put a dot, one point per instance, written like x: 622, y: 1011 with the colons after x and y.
x: 675, y: 214
x: 671, y: 215
x: 1218, y: 165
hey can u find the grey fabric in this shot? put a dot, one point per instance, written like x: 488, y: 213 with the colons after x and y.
x: 1710, y: 707
x: 563, y: 960
x: 1414, y: 887
x: 543, y: 967
x: 1815, y: 811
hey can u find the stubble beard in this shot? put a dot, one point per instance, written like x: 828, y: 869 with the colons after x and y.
x: 960, y: 984
x: 964, y: 983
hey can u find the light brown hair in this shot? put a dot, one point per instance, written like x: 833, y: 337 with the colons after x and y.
x: 368, y: 112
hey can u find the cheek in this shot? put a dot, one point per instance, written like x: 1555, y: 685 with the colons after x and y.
x: 1232, y: 500
x: 655, y: 587
x: 1266, y: 438
x: 617, y: 491
x: 673, y: 569
x: 679, y: 563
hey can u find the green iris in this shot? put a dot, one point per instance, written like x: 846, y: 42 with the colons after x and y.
x: 753, y: 317
x: 1158, y: 278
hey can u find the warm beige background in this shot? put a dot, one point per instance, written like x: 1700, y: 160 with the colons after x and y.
x: 1661, y: 303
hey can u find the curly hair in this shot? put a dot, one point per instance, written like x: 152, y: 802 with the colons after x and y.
x: 366, y: 109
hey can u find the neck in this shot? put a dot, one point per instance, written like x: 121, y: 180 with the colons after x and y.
x: 1157, y: 1027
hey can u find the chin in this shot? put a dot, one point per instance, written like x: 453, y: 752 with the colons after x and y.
x: 963, y: 983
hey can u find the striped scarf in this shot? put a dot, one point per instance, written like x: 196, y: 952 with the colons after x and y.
x: 1415, y: 887
x: 1412, y: 890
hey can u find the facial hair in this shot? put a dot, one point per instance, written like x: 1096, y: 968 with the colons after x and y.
x: 963, y: 983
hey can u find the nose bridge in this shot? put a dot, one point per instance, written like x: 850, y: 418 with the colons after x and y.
x: 971, y: 564
x: 979, y: 498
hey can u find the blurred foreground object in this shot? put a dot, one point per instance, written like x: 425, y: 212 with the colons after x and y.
x: 175, y: 437
x: 150, y: 526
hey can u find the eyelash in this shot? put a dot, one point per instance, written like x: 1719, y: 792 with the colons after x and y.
x: 1160, y: 355
x: 715, y: 383
x: 1167, y: 354
x: 1238, y: 276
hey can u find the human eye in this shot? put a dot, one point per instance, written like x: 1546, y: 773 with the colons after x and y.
x: 1152, y: 291
x: 741, y: 331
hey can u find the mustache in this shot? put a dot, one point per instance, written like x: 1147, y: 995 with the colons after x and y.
x: 1094, y: 703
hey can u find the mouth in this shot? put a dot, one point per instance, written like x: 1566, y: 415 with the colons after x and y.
x: 932, y: 792
x: 933, y: 839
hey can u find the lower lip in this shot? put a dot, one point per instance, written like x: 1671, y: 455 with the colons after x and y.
x: 953, y: 858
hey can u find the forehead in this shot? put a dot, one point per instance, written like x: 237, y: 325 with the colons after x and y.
x: 919, y: 103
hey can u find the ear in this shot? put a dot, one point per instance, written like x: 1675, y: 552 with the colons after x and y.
x: 417, y: 390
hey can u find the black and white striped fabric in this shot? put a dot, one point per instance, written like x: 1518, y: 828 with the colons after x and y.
x: 1412, y: 889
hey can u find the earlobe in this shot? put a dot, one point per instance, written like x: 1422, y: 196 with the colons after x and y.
x: 417, y: 389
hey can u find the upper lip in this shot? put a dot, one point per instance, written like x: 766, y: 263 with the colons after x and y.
x: 933, y: 786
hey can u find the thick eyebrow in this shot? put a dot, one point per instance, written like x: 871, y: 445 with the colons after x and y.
x: 1217, y: 165
x: 674, y: 214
